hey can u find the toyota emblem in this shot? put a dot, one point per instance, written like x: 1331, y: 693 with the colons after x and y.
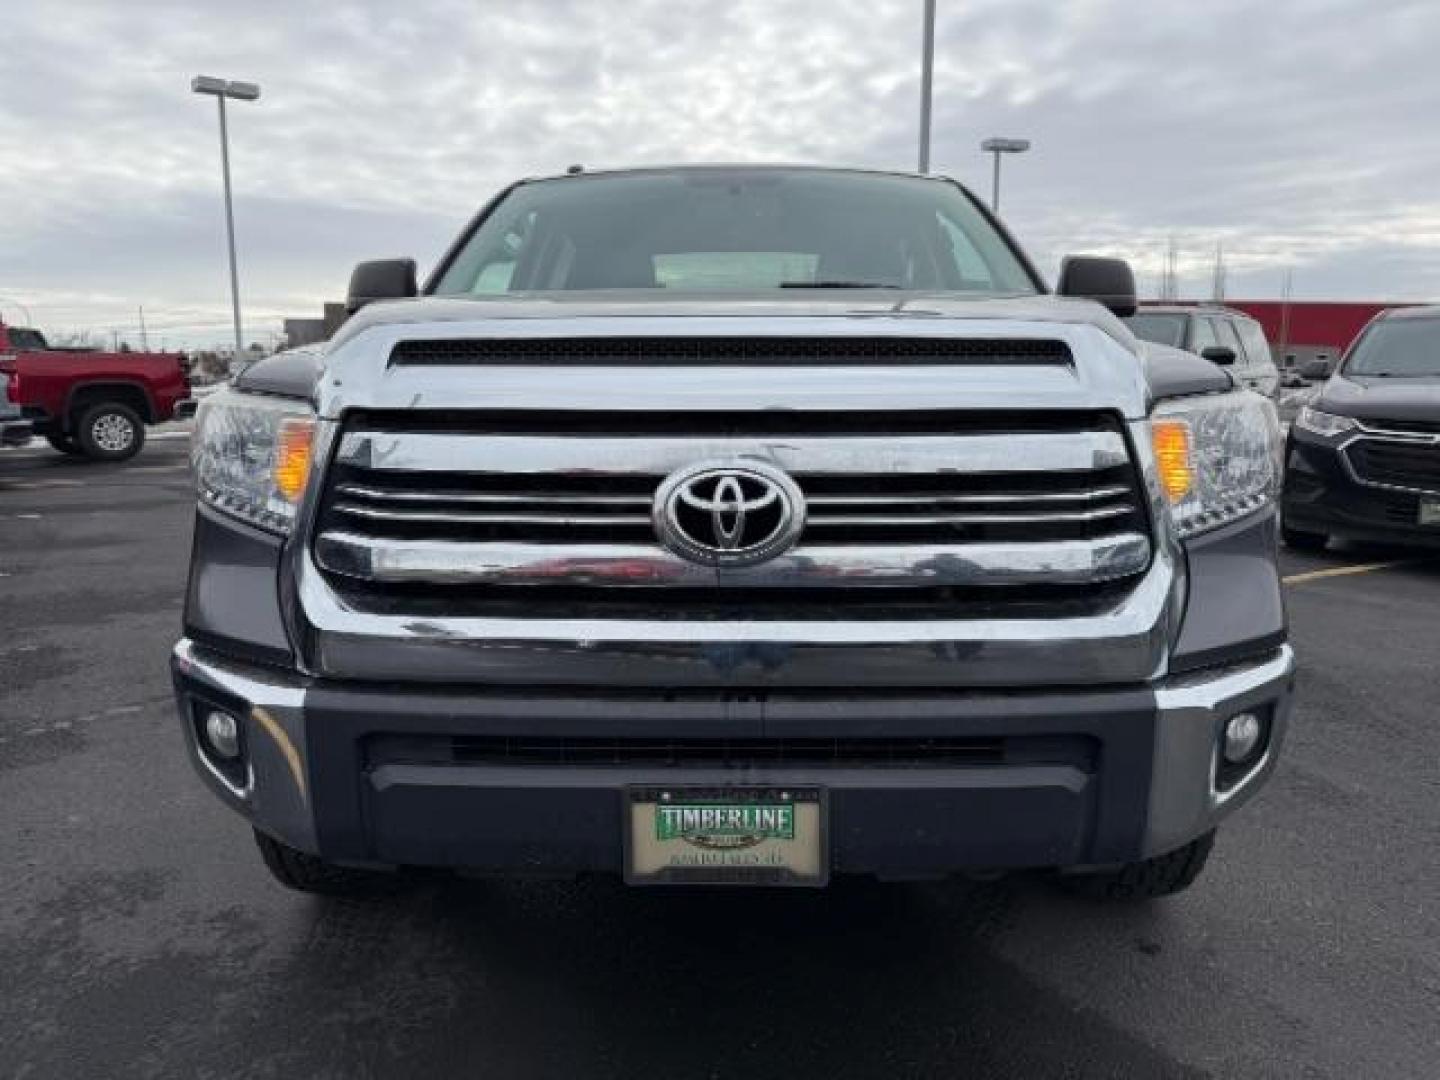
x: 729, y: 513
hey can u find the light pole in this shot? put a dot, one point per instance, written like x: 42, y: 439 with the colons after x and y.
x: 29, y: 319
x: 998, y: 147
x: 927, y: 75
x: 221, y: 89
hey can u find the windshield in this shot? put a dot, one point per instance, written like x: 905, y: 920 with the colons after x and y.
x: 1161, y: 328
x: 747, y: 229
x: 1397, y: 348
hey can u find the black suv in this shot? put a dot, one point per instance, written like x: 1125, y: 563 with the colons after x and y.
x: 1229, y: 338
x: 1363, y: 459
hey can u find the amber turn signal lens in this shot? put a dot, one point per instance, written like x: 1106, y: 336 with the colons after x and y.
x: 292, y: 456
x: 1171, y: 440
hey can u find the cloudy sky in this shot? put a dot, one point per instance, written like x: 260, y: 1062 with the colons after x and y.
x: 1300, y: 133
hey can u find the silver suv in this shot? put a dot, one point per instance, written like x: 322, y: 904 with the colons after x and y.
x: 1221, y: 335
x: 736, y: 525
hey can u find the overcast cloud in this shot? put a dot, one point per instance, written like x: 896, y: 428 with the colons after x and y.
x: 1301, y: 134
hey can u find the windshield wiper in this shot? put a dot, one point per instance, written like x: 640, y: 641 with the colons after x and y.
x: 835, y: 285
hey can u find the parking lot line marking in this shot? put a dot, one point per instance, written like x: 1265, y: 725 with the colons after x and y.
x: 1346, y: 571
x: 33, y: 485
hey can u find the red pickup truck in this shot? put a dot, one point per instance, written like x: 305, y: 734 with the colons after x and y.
x: 86, y: 402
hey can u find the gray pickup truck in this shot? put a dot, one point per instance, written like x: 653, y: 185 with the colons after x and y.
x: 743, y: 525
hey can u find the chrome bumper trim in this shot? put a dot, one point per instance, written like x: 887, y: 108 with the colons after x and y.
x: 835, y: 566
x: 1127, y: 643
x: 549, y: 455
x: 1184, y: 801
x: 275, y: 794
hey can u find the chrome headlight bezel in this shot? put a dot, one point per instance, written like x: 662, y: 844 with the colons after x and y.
x: 1220, y: 458
x: 250, y: 456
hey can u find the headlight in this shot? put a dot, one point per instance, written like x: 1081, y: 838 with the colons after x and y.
x: 1324, y: 423
x: 1218, y: 458
x: 251, y: 456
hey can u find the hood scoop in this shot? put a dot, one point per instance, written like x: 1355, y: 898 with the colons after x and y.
x: 770, y: 351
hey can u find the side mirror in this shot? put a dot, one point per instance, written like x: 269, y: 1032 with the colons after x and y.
x: 382, y: 279
x: 1223, y: 355
x: 1315, y: 367
x: 1107, y: 281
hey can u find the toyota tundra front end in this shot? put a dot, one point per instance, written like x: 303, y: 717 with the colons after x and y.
x: 736, y: 525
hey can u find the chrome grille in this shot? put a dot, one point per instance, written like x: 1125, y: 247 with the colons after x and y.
x: 1396, y: 463
x: 1056, y: 504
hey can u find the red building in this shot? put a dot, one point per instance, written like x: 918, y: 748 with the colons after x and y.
x: 1308, y: 327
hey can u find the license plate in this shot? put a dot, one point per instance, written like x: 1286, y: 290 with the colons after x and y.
x: 1430, y: 511
x: 725, y: 836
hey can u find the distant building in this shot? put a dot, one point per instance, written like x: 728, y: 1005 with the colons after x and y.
x: 1301, y: 329
x: 304, y: 332
x: 312, y: 331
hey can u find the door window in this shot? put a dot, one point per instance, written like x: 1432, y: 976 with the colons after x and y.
x: 1253, y: 338
x: 1225, y: 329
x: 1202, y: 334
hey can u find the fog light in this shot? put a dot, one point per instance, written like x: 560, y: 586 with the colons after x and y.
x: 222, y: 731
x: 1242, y: 736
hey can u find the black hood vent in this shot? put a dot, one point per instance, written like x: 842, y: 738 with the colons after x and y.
x: 730, y: 351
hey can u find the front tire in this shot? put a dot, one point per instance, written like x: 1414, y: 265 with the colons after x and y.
x: 312, y: 874
x: 66, y: 444
x: 110, y: 431
x: 1149, y: 879
x: 1303, y: 541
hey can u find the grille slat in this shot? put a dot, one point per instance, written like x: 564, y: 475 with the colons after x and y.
x: 482, y: 517
x: 1414, y: 465
x: 936, y: 499
x: 443, y: 495
x: 1037, y: 518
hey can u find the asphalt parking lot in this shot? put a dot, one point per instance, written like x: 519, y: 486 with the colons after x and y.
x: 139, y: 935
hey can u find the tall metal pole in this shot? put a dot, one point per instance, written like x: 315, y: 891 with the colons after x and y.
x: 29, y: 319
x: 927, y: 72
x: 230, y: 227
x: 995, y: 185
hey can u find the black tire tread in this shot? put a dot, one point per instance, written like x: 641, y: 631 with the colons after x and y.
x: 1164, y: 875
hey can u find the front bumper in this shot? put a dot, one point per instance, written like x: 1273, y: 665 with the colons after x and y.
x: 15, y: 432
x: 1084, y: 777
x: 1324, y: 494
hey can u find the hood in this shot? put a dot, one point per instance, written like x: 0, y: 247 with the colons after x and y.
x: 1368, y: 398
x: 1174, y: 372
x: 797, y: 303
x: 292, y: 373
